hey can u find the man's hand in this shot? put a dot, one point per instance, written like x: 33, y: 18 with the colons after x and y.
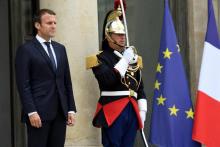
x: 122, y: 64
x: 35, y: 120
x: 134, y: 60
x: 128, y: 54
x: 143, y: 116
x: 71, y: 119
x: 142, y: 104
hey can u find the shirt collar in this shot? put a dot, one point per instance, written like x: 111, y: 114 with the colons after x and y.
x: 41, y: 40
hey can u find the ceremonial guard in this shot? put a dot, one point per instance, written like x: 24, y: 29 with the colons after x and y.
x: 122, y: 107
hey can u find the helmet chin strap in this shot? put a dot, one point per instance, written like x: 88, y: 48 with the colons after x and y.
x: 114, y: 42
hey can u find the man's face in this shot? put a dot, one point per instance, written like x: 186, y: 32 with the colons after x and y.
x: 119, y: 38
x: 47, y: 27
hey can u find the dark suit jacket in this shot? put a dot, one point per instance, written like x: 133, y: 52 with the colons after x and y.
x: 41, y: 88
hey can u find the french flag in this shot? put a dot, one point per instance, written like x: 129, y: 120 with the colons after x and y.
x: 206, y: 128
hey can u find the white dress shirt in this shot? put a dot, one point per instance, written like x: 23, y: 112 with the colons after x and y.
x: 41, y: 40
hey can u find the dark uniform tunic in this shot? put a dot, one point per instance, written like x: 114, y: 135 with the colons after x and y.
x: 110, y: 107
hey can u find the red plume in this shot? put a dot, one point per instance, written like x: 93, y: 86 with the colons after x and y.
x: 117, y: 3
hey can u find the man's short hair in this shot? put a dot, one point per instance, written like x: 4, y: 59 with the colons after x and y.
x: 40, y: 13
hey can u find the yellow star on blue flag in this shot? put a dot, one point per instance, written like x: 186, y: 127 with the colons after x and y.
x: 172, y: 114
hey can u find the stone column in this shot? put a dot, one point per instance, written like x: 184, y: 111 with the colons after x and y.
x: 77, y: 29
x: 197, y: 29
x: 197, y: 25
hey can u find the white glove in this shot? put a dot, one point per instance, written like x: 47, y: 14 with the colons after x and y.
x: 134, y: 60
x: 128, y: 54
x: 143, y: 116
x: 142, y: 104
x: 122, y: 66
x: 123, y: 63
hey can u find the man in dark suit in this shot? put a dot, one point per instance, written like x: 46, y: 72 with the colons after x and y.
x: 44, y: 85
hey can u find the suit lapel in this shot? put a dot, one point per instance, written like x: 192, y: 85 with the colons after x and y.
x: 43, y: 52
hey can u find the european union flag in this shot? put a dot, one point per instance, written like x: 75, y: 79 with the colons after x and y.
x: 172, y: 115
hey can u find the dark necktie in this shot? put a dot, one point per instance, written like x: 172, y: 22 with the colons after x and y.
x: 51, y: 55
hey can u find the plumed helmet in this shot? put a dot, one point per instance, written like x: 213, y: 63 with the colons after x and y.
x: 114, y: 24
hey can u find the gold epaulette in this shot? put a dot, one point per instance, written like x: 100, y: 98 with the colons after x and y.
x: 140, y: 62
x: 92, y: 61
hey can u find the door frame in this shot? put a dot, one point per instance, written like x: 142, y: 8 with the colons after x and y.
x: 21, y: 30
